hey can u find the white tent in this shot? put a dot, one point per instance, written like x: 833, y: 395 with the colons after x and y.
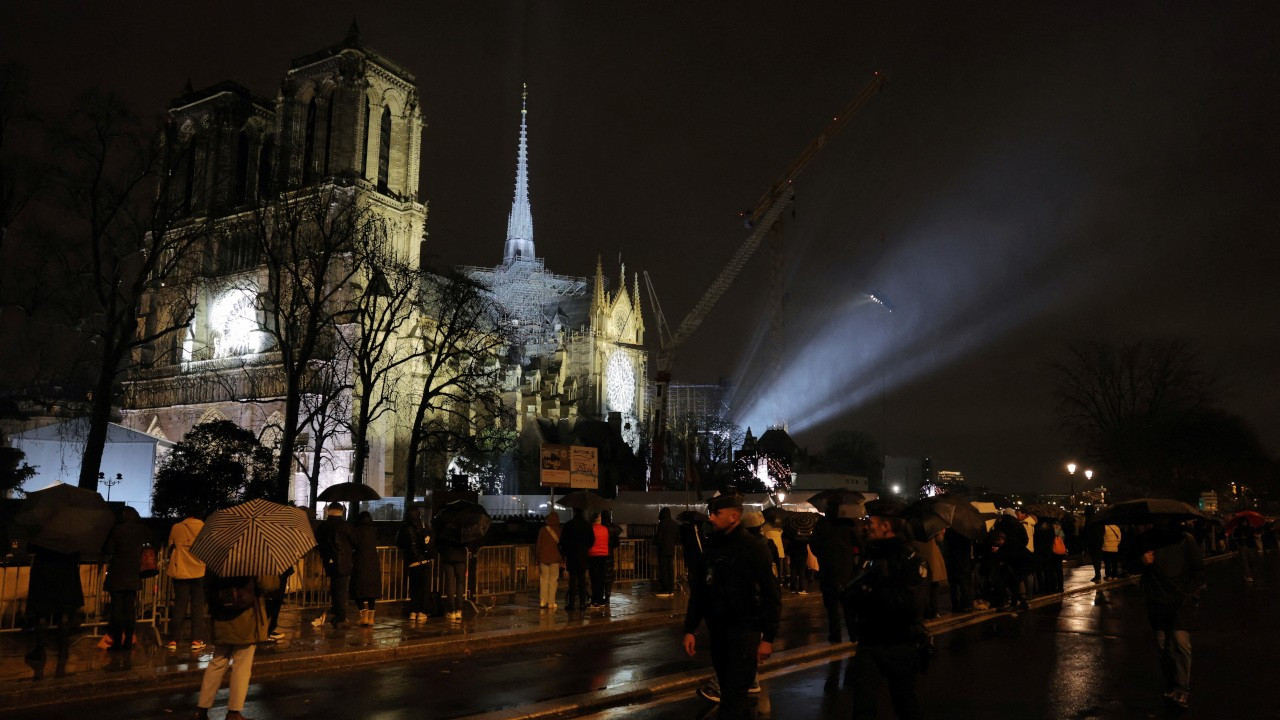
x: 55, y: 452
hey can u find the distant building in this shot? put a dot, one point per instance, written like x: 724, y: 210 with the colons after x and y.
x: 905, y: 477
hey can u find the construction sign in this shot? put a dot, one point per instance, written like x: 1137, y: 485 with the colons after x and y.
x: 554, y: 464
x: 570, y: 466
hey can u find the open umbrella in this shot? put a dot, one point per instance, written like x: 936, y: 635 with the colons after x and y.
x: 65, y: 518
x: 349, y: 492
x: 588, y: 501
x: 258, y: 537
x: 1145, y: 510
x: 461, y: 522
x: 852, y: 504
x: 692, y: 516
x: 799, y: 525
x: 930, y: 516
x: 1253, y: 517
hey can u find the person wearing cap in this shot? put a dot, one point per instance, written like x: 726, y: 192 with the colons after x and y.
x: 888, y: 596
x: 735, y: 593
x: 336, y: 541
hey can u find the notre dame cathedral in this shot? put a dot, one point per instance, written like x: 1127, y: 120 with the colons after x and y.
x: 347, y: 115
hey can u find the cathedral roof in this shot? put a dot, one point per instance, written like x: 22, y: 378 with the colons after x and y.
x: 353, y: 41
x: 229, y: 87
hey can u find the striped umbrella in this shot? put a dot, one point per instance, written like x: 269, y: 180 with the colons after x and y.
x: 253, y: 538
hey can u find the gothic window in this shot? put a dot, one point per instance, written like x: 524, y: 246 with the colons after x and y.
x: 242, y: 169
x: 384, y: 150
x: 264, y: 166
x: 309, y: 144
x: 189, y: 181
x: 368, y: 133
x: 328, y: 134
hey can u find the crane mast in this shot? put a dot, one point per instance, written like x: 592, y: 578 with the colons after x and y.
x: 761, y: 219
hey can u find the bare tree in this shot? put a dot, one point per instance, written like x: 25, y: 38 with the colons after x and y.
x: 124, y: 239
x: 460, y: 375
x: 21, y: 178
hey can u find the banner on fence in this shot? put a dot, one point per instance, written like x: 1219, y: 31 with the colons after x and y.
x: 570, y: 466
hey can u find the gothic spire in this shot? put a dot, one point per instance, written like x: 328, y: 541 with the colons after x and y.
x: 520, y: 222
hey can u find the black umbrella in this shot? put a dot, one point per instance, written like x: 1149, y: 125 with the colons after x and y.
x: 799, y: 524
x: 1145, y: 510
x: 257, y: 537
x: 461, y: 522
x: 852, y: 504
x: 585, y: 500
x: 349, y: 492
x: 692, y: 516
x: 930, y: 516
x: 65, y: 518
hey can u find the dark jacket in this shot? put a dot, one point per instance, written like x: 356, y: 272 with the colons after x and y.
x: 1171, y: 585
x: 54, y: 586
x: 451, y: 553
x: 124, y: 545
x: 239, y: 627
x: 576, y: 539
x: 667, y: 536
x: 366, y: 578
x: 336, y: 542
x: 414, y: 540
x: 736, y: 587
x: 833, y: 544
x: 889, y: 593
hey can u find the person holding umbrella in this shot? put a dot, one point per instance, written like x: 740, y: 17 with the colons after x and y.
x: 244, y: 548
x: 1172, y: 576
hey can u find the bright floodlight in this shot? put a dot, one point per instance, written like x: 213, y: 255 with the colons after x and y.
x: 1088, y: 474
x: 897, y: 489
x: 875, y: 297
x: 1071, y: 468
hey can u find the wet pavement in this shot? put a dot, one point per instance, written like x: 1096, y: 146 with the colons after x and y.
x: 1089, y: 656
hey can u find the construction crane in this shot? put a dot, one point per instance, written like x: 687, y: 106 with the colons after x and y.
x: 760, y: 219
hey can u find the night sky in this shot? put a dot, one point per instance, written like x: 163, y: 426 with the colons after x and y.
x: 1032, y: 174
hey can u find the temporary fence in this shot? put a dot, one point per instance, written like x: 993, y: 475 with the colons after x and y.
x: 492, y: 571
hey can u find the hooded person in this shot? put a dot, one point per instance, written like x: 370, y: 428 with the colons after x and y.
x: 550, y: 561
x: 124, y: 577
x: 575, y: 541
x: 665, y: 539
x: 186, y: 572
x: 413, y: 539
x: 1173, y: 575
x: 834, y: 543
x: 336, y: 543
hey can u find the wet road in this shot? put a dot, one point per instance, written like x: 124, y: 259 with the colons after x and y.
x: 451, y: 687
x: 1091, y: 656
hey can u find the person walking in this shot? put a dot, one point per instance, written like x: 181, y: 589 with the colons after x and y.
x: 187, y: 574
x: 335, y: 541
x: 54, y: 597
x: 598, y: 560
x: 576, y: 539
x: 549, y: 561
x: 1245, y: 537
x: 665, y: 539
x: 239, y: 624
x: 124, y: 577
x: 1111, y: 539
x: 1173, y: 575
x: 366, y: 575
x: 414, y: 540
x: 737, y: 596
x: 833, y: 543
x: 888, y: 602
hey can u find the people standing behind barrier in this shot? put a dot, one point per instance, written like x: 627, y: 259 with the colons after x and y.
x: 549, y: 561
x: 453, y: 578
x: 1058, y: 553
x: 615, y: 541
x: 665, y: 539
x: 335, y: 540
x: 124, y: 577
x: 772, y: 531
x: 888, y: 599
x: 693, y: 531
x: 797, y: 531
x: 366, y: 576
x: 575, y: 541
x: 1029, y: 572
x: 598, y: 560
x: 187, y: 573
x: 1015, y: 559
x: 1091, y: 538
x: 1173, y: 575
x: 834, y: 544
x: 957, y: 556
x: 239, y: 623
x: 54, y: 597
x: 1245, y: 538
x: 1043, y: 538
x: 1111, y: 538
x: 413, y: 539
x: 737, y: 596
x: 928, y: 549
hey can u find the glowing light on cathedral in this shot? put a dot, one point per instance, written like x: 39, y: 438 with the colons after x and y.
x: 233, y: 323
x: 620, y: 382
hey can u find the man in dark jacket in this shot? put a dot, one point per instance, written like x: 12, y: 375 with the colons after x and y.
x: 335, y: 540
x: 888, y: 596
x: 124, y: 576
x: 414, y: 540
x: 575, y: 541
x: 665, y: 540
x: 833, y: 544
x: 1172, y: 576
x: 739, y: 598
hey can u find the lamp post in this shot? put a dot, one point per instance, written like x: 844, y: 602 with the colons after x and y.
x: 1071, y: 470
x: 110, y: 482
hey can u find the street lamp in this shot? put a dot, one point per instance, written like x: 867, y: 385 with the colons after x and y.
x: 110, y: 483
x: 1071, y: 470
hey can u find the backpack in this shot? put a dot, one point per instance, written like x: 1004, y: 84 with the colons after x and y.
x: 236, y: 594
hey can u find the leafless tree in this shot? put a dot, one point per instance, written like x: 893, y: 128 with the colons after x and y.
x: 460, y: 376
